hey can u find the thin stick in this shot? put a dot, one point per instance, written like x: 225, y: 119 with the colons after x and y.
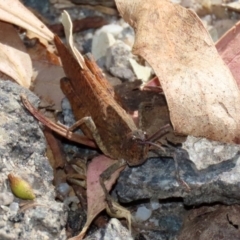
x: 56, y: 127
x: 159, y: 134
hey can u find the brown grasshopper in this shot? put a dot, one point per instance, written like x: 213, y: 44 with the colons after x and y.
x: 98, y: 112
x: 101, y: 117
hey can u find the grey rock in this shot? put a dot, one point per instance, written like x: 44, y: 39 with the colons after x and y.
x: 117, y: 61
x: 40, y: 6
x: 14, y: 207
x: 127, y: 35
x: 86, y: 46
x: 113, y: 230
x: 211, y: 170
x: 156, y: 179
x: 21, y: 138
x: 22, y: 152
x: 164, y: 223
x: 205, y: 153
x: 101, y: 62
x: 6, y: 198
x: 68, y: 117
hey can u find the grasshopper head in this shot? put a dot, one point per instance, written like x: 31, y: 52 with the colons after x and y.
x: 135, y: 148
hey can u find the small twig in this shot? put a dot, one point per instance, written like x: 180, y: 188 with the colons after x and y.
x: 32, y: 205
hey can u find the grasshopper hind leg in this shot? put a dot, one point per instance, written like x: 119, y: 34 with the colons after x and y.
x: 106, y: 175
x: 113, y: 208
x: 171, y: 152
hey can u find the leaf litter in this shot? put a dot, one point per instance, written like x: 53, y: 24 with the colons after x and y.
x: 47, y: 72
x: 184, y: 88
x: 95, y: 195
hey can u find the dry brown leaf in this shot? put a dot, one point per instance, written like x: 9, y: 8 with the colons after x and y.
x: 13, y: 11
x: 211, y: 222
x: 153, y: 116
x: 229, y: 49
x: 14, y: 60
x: 95, y: 195
x: 202, y: 96
x: 232, y: 6
x: 47, y: 72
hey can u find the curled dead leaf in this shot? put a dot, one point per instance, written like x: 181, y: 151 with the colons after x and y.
x: 229, y: 49
x: 95, y: 195
x: 47, y: 72
x: 216, y: 222
x: 14, y: 59
x: 202, y: 95
x: 13, y: 11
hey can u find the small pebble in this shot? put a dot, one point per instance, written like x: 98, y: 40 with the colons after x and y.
x: 4, y: 217
x: 154, y: 204
x: 63, y: 190
x: 2, y: 224
x: 6, y: 198
x: 154, y: 221
x: 143, y: 214
x: 14, y: 207
x: 4, y: 208
x: 111, y: 28
x: 72, y: 199
x: 100, y: 43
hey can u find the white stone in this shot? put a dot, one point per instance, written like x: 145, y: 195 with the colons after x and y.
x: 142, y: 72
x: 111, y: 28
x: 14, y: 207
x: 143, y: 214
x: 101, y: 42
x: 154, y: 204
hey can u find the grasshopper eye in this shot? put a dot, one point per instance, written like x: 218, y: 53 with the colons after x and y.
x: 139, y: 135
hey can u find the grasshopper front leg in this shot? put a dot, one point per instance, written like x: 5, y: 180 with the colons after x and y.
x: 171, y: 152
x: 93, y: 129
x: 109, y: 171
